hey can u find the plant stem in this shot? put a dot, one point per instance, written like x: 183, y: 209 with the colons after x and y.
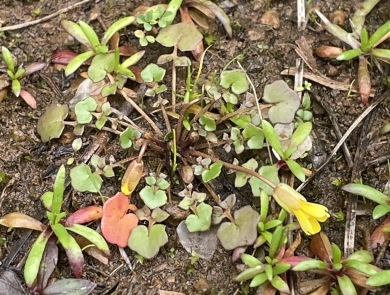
x: 232, y: 166
x: 147, y: 118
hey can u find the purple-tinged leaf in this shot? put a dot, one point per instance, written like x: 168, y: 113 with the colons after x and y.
x: 70, y: 287
x: 75, y: 31
x: 28, y: 98
x: 48, y: 264
x: 63, y: 57
x: 34, y: 67
x: 72, y: 249
x: 34, y: 258
x: 221, y: 15
x: 10, y: 284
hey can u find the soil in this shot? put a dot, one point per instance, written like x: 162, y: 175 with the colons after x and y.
x: 25, y: 162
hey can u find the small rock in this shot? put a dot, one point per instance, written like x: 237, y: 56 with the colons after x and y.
x: 271, y: 18
x: 331, y: 71
x: 328, y: 51
x: 202, y: 285
x: 256, y: 35
x: 337, y: 17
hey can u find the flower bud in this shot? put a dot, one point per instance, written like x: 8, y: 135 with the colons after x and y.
x: 132, y: 177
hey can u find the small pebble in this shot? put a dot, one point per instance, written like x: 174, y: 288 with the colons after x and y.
x: 271, y: 18
x: 202, y: 286
x: 337, y: 17
x: 331, y: 71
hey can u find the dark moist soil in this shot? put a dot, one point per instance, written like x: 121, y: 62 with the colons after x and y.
x: 27, y: 165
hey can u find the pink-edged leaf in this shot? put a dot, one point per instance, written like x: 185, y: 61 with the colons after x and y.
x: 72, y: 249
x: 70, y: 286
x: 91, y: 249
x: 33, y: 262
x: 63, y: 57
x: 10, y: 284
x: 34, y: 67
x: 293, y: 260
x: 378, y: 236
x: 85, y: 215
x: 20, y: 220
x: 28, y: 98
x: 48, y: 263
x: 116, y: 224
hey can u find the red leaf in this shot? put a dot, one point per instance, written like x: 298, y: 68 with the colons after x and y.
x: 28, y: 98
x: 321, y: 247
x: 85, y: 215
x: 116, y: 224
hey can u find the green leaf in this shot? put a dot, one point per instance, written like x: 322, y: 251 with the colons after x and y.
x: 91, y: 235
x: 281, y: 268
x: 364, y: 40
x: 271, y: 224
x: 208, y: 123
x: 285, y: 99
x: 152, y: 73
x: 380, y: 211
x: 250, y: 260
x: 296, y: 169
x: 75, y: 31
x: 264, y: 205
x: 255, y: 135
x: 241, y: 232
x: 115, y: 27
x: 83, y: 110
x: 310, y: 264
x: 50, y: 125
x: 277, y: 237
x: 350, y: 54
x: 379, y: 34
x: 76, y: 62
x: 70, y: 287
x: 362, y: 256
x: 258, y: 280
x: 72, y: 249
x: 16, y: 87
x: 272, y: 137
x: 367, y: 192
x: 236, y: 79
x: 133, y: 59
x: 184, y: 35
x: 47, y: 200
x: 381, y: 53
x: 280, y: 285
x: 269, y: 172
x: 300, y: 134
x: 7, y: 57
x: 336, y: 254
x: 346, y: 285
x: 89, y: 33
x: 19, y: 73
x: 147, y: 244
x: 201, y: 221
x: 84, y: 180
x: 34, y: 258
x: 360, y: 266
x: 153, y: 198
x: 381, y: 278
x: 100, y: 65
x: 213, y: 172
x: 128, y: 136
x: 58, y: 191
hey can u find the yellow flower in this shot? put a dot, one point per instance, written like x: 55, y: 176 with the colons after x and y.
x: 308, y: 214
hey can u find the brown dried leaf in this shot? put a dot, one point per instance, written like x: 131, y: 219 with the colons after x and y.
x: 21, y: 220
x: 321, y: 247
x: 92, y: 250
x: 378, y: 237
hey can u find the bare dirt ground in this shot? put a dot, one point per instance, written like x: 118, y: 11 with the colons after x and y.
x: 24, y: 160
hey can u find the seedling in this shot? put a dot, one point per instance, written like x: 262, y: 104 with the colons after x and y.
x: 146, y: 241
x: 207, y: 171
x: 15, y: 76
x: 348, y: 271
x: 58, y: 228
x: 154, y: 194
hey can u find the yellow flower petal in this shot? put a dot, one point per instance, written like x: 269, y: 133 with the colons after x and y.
x: 303, y: 221
x: 316, y: 210
x: 285, y: 197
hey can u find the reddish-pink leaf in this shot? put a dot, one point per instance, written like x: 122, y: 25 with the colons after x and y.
x: 63, y: 57
x: 85, y: 215
x: 28, y: 98
x: 364, y: 80
x: 186, y: 18
x: 378, y: 237
x: 321, y: 247
x: 116, y: 224
x: 48, y: 263
x: 21, y: 220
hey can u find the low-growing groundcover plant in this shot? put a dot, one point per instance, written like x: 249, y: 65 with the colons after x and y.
x: 188, y: 152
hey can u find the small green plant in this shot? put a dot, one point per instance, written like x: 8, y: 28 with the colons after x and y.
x: 59, y: 229
x: 15, y: 76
